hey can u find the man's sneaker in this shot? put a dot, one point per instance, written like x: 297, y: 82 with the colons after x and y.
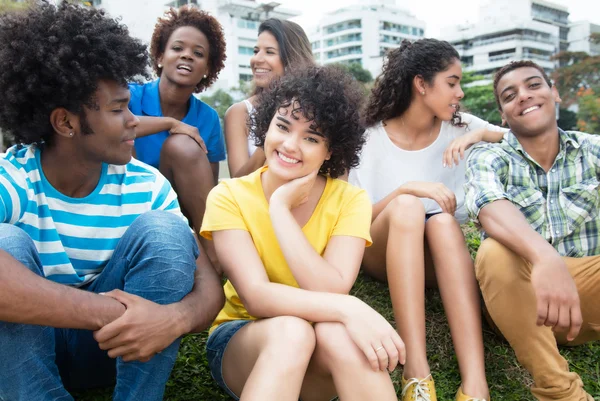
x: 460, y: 396
x: 418, y: 389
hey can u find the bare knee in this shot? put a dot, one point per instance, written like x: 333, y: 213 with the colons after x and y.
x: 290, y: 339
x: 442, y: 221
x: 405, y: 211
x: 181, y: 149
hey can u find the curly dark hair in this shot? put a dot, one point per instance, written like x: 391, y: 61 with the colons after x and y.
x: 513, y: 65
x: 54, y: 56
x: 327, y: 96
x: 392, y: 92
x: 205, y: 23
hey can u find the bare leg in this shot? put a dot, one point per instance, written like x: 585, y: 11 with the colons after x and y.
x: 397, y: 254
x: 267, y: 359
x: 460, y: 295
x: 188, y: 170
x: 338, y: 366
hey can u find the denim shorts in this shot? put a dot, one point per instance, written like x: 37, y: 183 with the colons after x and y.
x: 430, y: 215
x: 215, y: 349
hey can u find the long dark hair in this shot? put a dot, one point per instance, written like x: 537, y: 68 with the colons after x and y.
x: 295, y: 50
x: 392, y: 93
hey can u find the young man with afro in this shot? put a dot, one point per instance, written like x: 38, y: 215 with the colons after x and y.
x: 536, y: 197
x: 96, y: 260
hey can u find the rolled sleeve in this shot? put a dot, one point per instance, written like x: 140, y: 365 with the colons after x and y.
x: 486, y: 171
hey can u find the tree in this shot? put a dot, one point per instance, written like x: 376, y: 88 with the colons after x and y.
x: 220, y: 101
x: 567, y: 119
x: 479, y: 98
x: 588, y: 116
x: 359, y: 73
x: 580, y: 71
x: 12, y: 5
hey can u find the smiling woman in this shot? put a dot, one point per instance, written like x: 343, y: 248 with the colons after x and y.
x: 299, y: 234
x: 178, y: 133
x: 415, y: 131
x: 280, y: 46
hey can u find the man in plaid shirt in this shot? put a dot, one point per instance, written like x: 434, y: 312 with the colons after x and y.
x: 536, y: 197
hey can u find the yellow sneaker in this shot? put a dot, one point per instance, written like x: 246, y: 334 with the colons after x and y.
x: 418, y: 389
x: 460, y: 396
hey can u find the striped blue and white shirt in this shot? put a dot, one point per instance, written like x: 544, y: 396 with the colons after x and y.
x: 76, y: 237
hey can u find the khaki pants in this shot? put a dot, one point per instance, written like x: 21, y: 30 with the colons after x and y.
x: 505, y: 282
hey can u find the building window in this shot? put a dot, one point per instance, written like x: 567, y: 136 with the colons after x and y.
x: 245, y: 50
x: 343, y: 26
x: 536, y: 54
x: 245, y: 77
x: 343, y: 52
x: 502, y: 54
x: 353, y: 37
x: 467, y: 61
x: 392, y: 27
x: 316, y: 45
x: 177, y: 3
x: 392, y: 39
x: 247, y: 24
x: 351, y: 61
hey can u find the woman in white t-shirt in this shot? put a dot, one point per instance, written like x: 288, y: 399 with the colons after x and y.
x: 280, y: 46
x: 418, y: 205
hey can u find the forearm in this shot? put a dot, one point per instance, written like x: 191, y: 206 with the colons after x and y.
x: 198, y: 309
x: 272, y: 299
x: 382, y: 204
x: 254, y: 162
x: 311, y: 270
x: 152, y: 125
x: 30, y: 299
x: 492, y: 136
x: 503, y: 222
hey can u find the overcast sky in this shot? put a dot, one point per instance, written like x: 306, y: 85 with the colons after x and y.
x: 436, y: 13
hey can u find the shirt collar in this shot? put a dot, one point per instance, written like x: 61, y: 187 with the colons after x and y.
x: 567, y: 143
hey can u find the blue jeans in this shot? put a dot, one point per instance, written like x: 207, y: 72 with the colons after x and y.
x: 155, y: 259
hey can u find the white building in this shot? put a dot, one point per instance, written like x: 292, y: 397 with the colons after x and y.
x: 240, y: 20
x: 362, y: 33
x: 579, y: 38
x: 511, y: 30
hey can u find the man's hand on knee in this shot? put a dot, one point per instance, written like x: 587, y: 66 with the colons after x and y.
x: 557, y: 297
x: 145, y: 329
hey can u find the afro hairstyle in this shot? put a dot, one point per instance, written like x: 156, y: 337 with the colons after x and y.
x: 54, y: 57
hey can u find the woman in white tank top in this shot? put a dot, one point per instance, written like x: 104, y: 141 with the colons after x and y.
x: 418, y: 206
x: 280, y: 45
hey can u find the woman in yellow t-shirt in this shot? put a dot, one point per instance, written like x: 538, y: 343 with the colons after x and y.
x: 290, y: 238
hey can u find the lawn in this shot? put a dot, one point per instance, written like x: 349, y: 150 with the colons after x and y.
x: 508, y: 381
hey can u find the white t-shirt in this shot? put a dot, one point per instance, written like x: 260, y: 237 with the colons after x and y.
x: 384, y: 166
x: 251, y: 111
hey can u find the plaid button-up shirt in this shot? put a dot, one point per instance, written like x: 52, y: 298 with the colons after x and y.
x: 561, y: 204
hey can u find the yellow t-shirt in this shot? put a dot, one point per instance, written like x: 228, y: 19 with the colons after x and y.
x: 240, y: 204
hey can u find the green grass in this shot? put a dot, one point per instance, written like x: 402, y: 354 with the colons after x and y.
x: 508, y: 381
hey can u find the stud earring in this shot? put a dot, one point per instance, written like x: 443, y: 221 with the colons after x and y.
x: 70, y: 134
x: 422, y: 92
x: 204, y: 76
x: 160, y: 66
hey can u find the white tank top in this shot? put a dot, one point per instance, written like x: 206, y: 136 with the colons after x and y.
x: 251, y: 111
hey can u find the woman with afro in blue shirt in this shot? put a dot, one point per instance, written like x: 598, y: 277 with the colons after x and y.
x: 188, y: 52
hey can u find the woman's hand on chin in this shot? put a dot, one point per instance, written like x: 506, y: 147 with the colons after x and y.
x: 296, y: 192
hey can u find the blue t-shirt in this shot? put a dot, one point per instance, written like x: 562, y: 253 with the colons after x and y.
x: 145, y: 101
x: 76, y: 237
